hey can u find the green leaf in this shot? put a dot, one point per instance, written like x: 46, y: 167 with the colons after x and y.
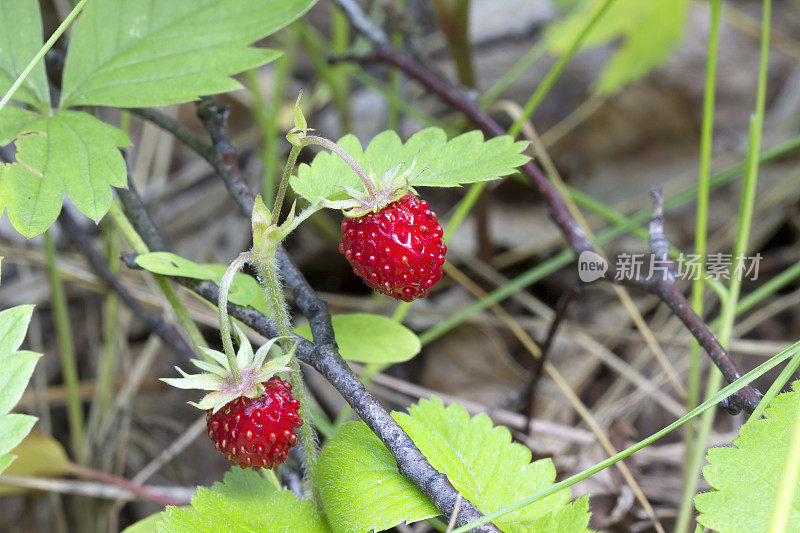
x: 363, y: 489
x: 13, y: 429
x: 366, y: 338
x: 361, y: 486
x: 745, y: 477
x: 69, y: 153
x: 442, y: 163
x: 20, y: 40
x: 244, y: 502
x: 13, y: 325
x: 15, y: 371
x: 650, y: 30
x: 149, y: 52
x: 13, y: 121
x: 145, y: 525
x: 169, y: 264
x: 38, y: 455
x: 244, y: 289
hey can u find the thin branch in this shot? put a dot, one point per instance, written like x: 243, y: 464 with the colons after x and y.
x: 659, y: 244
x: 546, y: 346
x: 160, y: 495
x: 747, y: 397
x: 126, y: 484
x: 224, y: 160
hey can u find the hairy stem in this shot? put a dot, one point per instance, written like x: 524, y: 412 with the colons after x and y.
x: 269, y: 275
x: 69, y: 367
x: 224, y: 321
x: 335, y: 148
x: 287, y: 173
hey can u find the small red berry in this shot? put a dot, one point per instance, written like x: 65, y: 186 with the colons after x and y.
x: 257, y: 432
x: 398, y: 250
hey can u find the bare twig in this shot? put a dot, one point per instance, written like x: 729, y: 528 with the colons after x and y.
x: 536, y: 373
x: 746, y: 398
x: 160, y: 495
x: 659, y: 244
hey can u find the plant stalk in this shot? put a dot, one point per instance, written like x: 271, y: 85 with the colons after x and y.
x: 224, y: 321
x: 338, y: 150
x: 287, y: 173
x: 728, y: 312
x: 67, y: 349
x: 269, y: 275
x: 139, y: 246
x: 701, y: 223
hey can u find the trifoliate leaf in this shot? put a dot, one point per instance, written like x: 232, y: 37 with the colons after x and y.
x: 15, y: 372
x: 363, y: 489
x: 367, y: 338
x: 650, y: 29
x: 745, y: 477
x: 243, y: 503
x: 20, y: 40
x: 69, y: 153
x: 149, y: 52
x: 440, y: 163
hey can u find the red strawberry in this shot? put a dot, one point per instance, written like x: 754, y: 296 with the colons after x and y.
x: 256, y: 432
x: 397, y: 250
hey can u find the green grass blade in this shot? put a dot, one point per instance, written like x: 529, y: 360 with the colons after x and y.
x: 42, y: 51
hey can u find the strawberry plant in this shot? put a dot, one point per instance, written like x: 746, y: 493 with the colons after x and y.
x: 284, y: 354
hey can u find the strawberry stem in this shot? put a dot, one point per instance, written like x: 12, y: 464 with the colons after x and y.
x: 269, y: 275
x: 224, y: 321
x: 287, y: 173
x: 338, y: 150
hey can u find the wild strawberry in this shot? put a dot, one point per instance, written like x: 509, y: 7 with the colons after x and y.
x: 397, y: 250
x: 391, y: 238
x: 259, y: 431
x: 251, y: 414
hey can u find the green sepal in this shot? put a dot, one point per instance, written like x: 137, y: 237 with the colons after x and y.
x: 392, y: 186
x: 218, y: 378
x: 299, y: 119
x: 260, y: 220
x: 267, y: 236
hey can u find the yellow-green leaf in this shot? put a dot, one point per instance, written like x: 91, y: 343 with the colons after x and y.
x: 367, y: 338
x: 649, y: 30
x: 38, y: 455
